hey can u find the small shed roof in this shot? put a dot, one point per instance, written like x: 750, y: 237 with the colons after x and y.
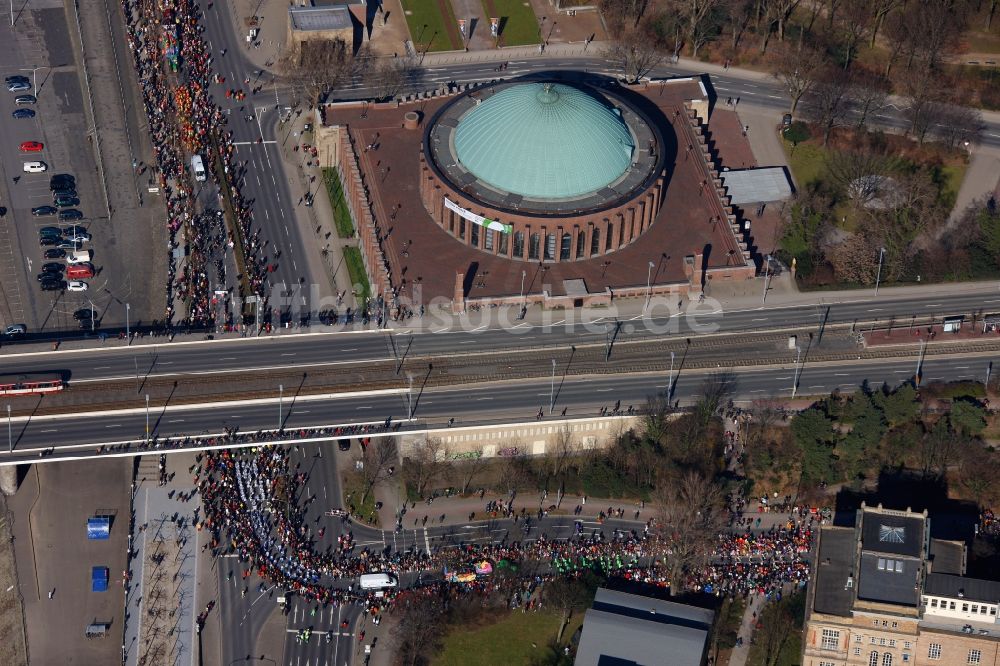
x: 337, y: 17
x: 757, y: 185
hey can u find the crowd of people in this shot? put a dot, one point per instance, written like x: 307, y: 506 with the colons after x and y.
x: 174, y: 69
x: 242, y: 488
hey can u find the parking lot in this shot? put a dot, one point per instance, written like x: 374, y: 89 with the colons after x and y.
x: 126, y: 249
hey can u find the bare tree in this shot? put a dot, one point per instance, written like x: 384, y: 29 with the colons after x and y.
x: 738, y: 15
x: 700, y: 18
x: 425, y: 465
x: 780, y: 11
x: 828, y: 104
x: 469, y: 470
x: 376, y: 460
x: 634, y: 54
x: 386, y: 76
x: 859, y: 173
x: 855, y: 22
x: 880, y: 10
x: 690, y: 514
x: 869, y: 94
x: 511, y: 469
x: 315, y: 67
x: 567, y: 595
x: 559, y: 456
x: 958, y: 125
x: 619, y: 14
x: 421, y: 625
x: 798, y: 70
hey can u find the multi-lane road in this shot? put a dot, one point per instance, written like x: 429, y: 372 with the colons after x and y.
x: 498, y: 330
x: 78, y: 434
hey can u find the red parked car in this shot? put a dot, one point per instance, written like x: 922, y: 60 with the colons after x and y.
x: 32, y: 146
x: 79, y: 271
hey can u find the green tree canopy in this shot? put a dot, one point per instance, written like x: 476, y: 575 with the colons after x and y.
x: 967, y: 417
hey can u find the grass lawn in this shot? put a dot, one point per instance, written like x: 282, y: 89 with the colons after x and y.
x: 341, y: 214
x: 359, y: 278
x: 953, y: 177
x: 428, y: 27
x: 790, y: 655
x: 353, y: 485
x: 806, y: 161
x: 504, y: 643
x: 521, y: 25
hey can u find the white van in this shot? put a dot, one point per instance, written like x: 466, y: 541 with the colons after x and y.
x: 34, y: 167
x: 378, y: 581
x: 198, y: 168
x: 79, y: 257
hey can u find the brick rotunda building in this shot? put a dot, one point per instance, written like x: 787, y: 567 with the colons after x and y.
x: 542, y: 170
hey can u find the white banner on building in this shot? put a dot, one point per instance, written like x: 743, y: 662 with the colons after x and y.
x: 477, y: 219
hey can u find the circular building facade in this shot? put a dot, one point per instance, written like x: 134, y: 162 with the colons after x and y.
x: 542, y: 171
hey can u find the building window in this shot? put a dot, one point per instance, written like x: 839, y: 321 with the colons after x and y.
x: 906, y: 645
x: 873, y: 659
x: 906, y: 658
x: 887, y: 659
x: 965, y: 608
x: 892, y: 642
x: 895, y: 625
x: 934, y: 651
x: 567, y: 247
x: 857, y: 652
x: 933, y: 603
x: 881, y: 642
x: 533, y: 246
x: 951, y: 605
x: 975, y: 656
x: 874, y: 623
x: 581, y: 244
x: 826, y: 663
x: 595, y: 242
x: 550, y: 247
x: 982, y: 610
x: 831, y: 639
x: 518, y: 243
x: 874, y: 640
x: 975, y: 608
x: 857, y: 639
x: 885, y: 623
x: 993, y: 610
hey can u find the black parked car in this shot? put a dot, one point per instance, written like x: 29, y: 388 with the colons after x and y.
x: 22, y: 114
x: 39, y: 211
x: 54, y: 253
x: 62, y: 181
x: 53, y: 267
x: 64, y: 192
x: 63, y: 202
x: 70, y: 214
x: 83, y: 314
x: 53, y: 285
x: 49, y: 241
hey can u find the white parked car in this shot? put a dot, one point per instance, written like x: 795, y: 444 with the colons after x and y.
x: 79, y: 257
x: 76, y: 285
x: 35, y: 167
x: 77, y: 237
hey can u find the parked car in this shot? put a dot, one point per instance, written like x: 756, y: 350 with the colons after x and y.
x: 84, y: 314
x: 49, y: 241
x: 39, y: 211
x: 16, y: 77
x: 19, y: 86
x: 53, y: 267
x: 15, y: 329
x: 80, y: 257
x: 62, y: 202
x: 80, y: 271
x: 78, y: 236
x: 76, y: 285
x: 64, y: 192
x: 25, y: 99
x: 70, y: 214
x: 22, y: 114
x: 74, y: 229
x: 50, y: 230
x: 54, y: 253
x: 31, y: 146
x: 54, y: 285
x: 68, y: 245
x: 35, y: 167
x: 62, y: 180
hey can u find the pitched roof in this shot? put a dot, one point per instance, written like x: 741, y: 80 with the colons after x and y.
x: 976, y: 589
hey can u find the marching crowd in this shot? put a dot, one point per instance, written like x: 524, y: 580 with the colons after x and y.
x: 251, y: 509
x: 184, y: 119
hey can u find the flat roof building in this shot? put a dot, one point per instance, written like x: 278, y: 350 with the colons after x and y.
x: 629, y: 629
x: 886, y: 594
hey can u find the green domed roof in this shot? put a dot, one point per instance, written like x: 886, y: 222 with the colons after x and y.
x: 544, y: 141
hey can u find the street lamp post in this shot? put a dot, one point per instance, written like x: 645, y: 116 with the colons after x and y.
x: 281, y: 396
x: 989, y: 369
x: 878, y: 276
x: 767, y: 277
x: 147, y: 419
x: 33, y: 70
x: 670, y: 381
x: 552, y: 389
x: 10, y: 438
x: 409, y: 398
x: 920, y: 362
x: 795, y: 381
x: 649, y: 278
x: 128, y: 330
x: 524, y: 301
